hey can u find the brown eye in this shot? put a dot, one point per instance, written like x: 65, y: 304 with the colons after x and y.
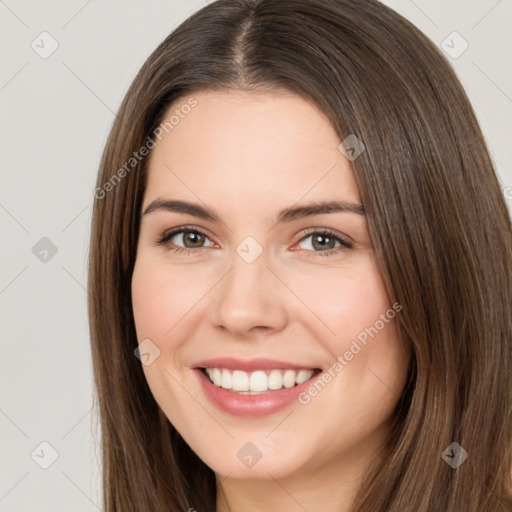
x: 184, y: 239
x: 191, y: 239
x: 324, y: 243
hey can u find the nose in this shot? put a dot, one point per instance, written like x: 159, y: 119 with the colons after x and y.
x: 249, y: 299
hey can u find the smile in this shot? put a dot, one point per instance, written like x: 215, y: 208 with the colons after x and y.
x: 253, y: 388
x: 259, y: 381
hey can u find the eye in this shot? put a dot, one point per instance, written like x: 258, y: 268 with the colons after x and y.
x: 325, y: 241
x: 192, y: 238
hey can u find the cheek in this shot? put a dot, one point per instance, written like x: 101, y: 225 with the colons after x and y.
x: 344, y: 301
x: 161, y: 296
x: 159, y: 299
x: 151, y: 302
x: 355, y: 321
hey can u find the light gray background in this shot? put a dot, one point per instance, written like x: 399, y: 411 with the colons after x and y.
x: 55, y: 116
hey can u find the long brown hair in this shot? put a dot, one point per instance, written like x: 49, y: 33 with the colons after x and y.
x: 437, y: 219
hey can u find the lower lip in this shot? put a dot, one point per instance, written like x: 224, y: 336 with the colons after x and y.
x: 253, y: 406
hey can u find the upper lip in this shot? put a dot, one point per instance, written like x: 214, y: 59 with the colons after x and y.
x: 248, y: 365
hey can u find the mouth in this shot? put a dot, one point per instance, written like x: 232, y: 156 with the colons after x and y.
x: 258, y: 382
x: 253, y: 388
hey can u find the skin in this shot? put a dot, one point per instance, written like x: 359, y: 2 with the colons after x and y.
x: 247, y: 156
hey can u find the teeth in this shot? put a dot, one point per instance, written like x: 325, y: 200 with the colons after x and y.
x: 258, y: 381
x: 275, y: 380
x: 227, y: 379
x: 240, y: 381
x: 217, y: 376
x: 289, y: 379
x: 302, y: 376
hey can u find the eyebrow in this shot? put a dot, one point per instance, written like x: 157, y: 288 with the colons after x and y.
x: 286, y: 215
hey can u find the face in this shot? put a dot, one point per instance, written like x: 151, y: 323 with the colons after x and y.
x: 242, y: 279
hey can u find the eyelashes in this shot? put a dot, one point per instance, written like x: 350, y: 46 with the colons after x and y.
x: 164, y: 240
x: 319, y: 234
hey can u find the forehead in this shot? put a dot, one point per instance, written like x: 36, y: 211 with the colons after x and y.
x: 243, y: 149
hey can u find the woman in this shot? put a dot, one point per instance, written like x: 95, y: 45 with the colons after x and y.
x: 300, y: 273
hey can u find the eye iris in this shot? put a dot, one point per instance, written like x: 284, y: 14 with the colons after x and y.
x: 197, y: 238
x: 317, y: 238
